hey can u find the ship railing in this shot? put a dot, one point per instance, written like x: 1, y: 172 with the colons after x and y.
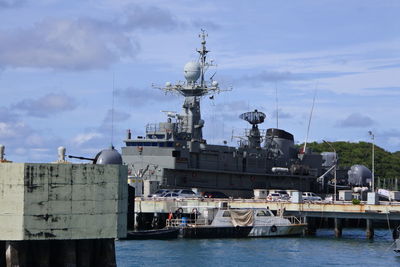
x: 185, y: 222
x: 295, y: 220
x: 263, y: 132
x: 152, y: 128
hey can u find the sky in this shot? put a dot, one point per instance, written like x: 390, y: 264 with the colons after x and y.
x: 65, y: 65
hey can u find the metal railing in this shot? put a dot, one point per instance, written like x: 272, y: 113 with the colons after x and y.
x: 174, y: 223
x: 177, y: 223
x: 295, y: 220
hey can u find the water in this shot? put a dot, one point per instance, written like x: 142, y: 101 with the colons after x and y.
x: 353, y: 249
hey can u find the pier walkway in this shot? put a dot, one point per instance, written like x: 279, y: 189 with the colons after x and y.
x: 339, y: 209
x: 385, y: 211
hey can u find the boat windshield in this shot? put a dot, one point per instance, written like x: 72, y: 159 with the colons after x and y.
x: 226, y: 213
x: 261, y: 213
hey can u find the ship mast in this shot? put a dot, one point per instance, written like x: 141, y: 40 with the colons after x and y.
x: 190, y: 121
x: 203, y: 55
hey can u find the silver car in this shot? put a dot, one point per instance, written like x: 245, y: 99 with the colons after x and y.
x: 184, y: 193
x: 159, y: 193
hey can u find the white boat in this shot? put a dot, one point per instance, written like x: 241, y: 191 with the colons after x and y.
x: 233, y: 223
x: 396, y: 237
x: 397, y: 244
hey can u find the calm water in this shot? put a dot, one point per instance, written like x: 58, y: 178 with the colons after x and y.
x: 322, y: 250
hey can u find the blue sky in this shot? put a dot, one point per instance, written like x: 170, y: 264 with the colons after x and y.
x: 59, y: 62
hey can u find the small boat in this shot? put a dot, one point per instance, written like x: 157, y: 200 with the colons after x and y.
x: 397, y: 248
x: 166, y: 233
x: 238, y: 223
x: 396, y: 237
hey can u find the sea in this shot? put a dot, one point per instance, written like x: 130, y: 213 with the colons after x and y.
x: 323, y: 249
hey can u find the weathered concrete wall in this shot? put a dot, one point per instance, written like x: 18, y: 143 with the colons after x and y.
x: 62, y: 201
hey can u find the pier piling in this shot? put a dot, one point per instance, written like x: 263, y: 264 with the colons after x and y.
x: 370, y: 229
x: 338, y: 227
x: 311, y: 228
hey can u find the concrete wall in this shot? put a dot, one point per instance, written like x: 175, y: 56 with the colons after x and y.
x: 62, y: 201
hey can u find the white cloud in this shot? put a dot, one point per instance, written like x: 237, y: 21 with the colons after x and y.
x: 12, y: 130
x: 47, y: 105
x: 65, y: 44
x: 356, y: 120
x: 85, y: 137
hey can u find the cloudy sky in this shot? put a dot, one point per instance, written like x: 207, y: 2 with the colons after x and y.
x: 60, y: 60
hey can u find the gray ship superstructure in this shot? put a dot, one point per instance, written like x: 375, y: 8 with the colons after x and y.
x: 174, y: 154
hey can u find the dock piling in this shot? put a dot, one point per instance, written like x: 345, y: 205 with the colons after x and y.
x: 311, y: 228
x: 338, y: 227
x: 370, y: 229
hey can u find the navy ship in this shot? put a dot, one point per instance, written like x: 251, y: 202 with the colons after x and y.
x: 174, y: 154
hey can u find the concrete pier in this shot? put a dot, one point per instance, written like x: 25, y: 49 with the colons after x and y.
x: 61, y: 214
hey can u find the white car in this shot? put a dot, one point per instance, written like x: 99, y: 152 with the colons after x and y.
x: 171, y: 194
x: 184, y: 193
x: 309, y: 196
x: 159, y: 193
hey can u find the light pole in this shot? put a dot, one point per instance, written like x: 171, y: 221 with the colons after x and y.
x: 334, y: 174
x: 373, y: 159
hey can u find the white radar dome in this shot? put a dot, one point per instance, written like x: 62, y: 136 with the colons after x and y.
x: 192, y: 71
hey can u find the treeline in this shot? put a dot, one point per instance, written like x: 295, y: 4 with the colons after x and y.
x: 387, y: 165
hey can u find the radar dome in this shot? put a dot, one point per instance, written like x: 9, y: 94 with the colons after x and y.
x: 192, y: 71
x: 359, y: 175
x: 108, y: 156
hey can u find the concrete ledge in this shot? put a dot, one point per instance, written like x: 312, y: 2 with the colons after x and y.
x: 62, y: 201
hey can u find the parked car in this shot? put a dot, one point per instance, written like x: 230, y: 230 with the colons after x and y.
x: 170, y: 194
x: 274, y: 197
x: 309, y: 196
x: 159, y: 193
x: 184, y: 192
x: 214, y: 194
x: 284, y: 194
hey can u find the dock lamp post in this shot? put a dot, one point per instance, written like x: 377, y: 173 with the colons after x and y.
x: 334, y: 174
x: 373, y: 161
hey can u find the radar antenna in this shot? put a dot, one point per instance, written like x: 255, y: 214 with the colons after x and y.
x: 254, y: 118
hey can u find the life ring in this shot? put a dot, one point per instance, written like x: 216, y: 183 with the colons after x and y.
x: 274, y: 229
x: 269, y: 198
